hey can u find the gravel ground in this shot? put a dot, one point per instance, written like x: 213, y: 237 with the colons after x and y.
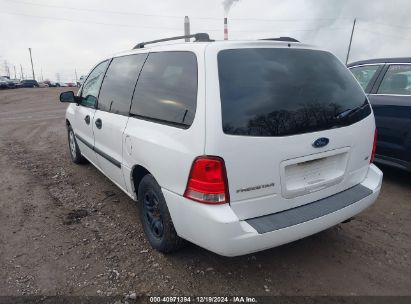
x: 67, y: 230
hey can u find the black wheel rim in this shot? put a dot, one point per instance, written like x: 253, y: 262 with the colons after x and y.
x: 152, y: 214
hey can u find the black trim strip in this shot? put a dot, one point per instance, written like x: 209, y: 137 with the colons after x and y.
x: 101, y: 153
x: 161, y: 121
x: 305, y: 213
x: 108, y: 157
x: 84, y: 142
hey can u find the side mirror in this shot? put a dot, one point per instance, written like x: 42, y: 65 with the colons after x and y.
x: 69, y: 97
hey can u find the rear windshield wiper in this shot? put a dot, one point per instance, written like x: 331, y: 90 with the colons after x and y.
x: 350, y: 112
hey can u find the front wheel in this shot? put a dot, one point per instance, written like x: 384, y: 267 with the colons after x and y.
x: 155, y: 217
x: 75, y: 153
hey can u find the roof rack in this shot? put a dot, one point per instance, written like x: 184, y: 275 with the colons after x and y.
x: 199, y: 37
x: 285, y: 39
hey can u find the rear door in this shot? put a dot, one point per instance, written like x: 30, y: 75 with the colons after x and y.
x: 166, y: 128
x: 391, y: 101
x: 84, y: 112
x: 282, y: 124
x: 113, y: 112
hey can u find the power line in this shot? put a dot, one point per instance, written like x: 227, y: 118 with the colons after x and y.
x: 387, y: 35
x: 386, y: 24
x: 159, y: 28
x: 289, y: 30
x: 90, y: 22
x: 199, y: 18
x: 208, y: 30
x: 94, y: 10
x: 287, y: 20
x: 164, y: 16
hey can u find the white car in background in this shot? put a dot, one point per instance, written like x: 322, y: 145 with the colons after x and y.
x: 43, y: 85
x: 234, y: 146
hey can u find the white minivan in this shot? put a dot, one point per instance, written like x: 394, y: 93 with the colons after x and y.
x: 236, y: 146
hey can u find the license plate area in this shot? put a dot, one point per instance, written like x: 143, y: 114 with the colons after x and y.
x: 313, y: 173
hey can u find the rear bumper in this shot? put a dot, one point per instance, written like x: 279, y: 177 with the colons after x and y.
x: 218, y: 229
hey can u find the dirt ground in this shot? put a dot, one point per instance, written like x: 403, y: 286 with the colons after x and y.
x: 67, y: 230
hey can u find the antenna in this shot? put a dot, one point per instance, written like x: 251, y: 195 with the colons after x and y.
x: 351, y: 38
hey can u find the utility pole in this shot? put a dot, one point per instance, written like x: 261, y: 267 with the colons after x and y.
x: 15, y: 77
x: 187, y: 28
x: 351, y: 38
x: 21, y: 72
x: 32, y: 67
x: 41, y: 72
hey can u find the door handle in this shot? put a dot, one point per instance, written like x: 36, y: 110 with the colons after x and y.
x: 99, y: 123
x: 87, y: 119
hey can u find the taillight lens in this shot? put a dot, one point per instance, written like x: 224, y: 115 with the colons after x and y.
x: 207, y: 182
x: 374, y: 147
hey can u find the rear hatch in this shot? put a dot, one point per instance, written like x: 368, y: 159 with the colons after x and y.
x: 291, y: 123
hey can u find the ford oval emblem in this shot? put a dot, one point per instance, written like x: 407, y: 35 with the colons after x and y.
x: 321, y: 142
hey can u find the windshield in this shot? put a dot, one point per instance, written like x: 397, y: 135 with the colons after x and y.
x: 279, y: 92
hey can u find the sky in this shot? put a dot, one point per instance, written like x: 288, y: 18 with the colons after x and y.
x: 71, y: 36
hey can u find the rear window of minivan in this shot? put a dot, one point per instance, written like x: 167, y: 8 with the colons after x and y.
x: 281, y: 92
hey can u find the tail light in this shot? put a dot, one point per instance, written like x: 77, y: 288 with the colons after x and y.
x: 207, y: 182
x: 374, y: 147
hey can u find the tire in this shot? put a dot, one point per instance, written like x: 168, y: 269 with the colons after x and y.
x: 155, y: 217
x: 74, y: 150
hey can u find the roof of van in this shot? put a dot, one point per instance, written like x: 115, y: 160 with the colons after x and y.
x: 381, y: 60
x: 218, y: 43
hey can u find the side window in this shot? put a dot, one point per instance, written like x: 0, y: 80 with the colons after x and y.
x: 92, y: 85
x: 167, y: 88
x: 364, y: 74
x: 118, y: 84
x: 397, y: 80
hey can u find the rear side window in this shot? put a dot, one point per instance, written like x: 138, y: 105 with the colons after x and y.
x: 280, y: 92
x: 397, y: 81
x: 118, y: 85
x: 166, y: 91
x: 364, y: 74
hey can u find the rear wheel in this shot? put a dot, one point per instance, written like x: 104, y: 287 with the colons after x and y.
x: 155, y: 217
x: 75, y: 153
